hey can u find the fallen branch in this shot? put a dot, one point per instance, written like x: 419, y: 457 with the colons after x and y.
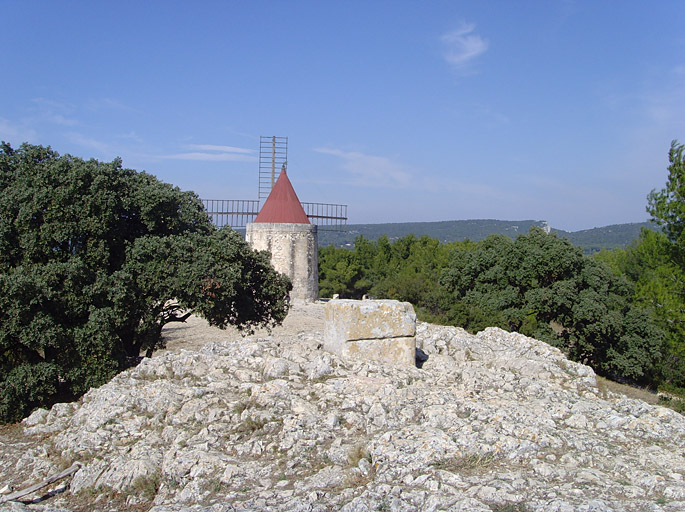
x: 18, y: 494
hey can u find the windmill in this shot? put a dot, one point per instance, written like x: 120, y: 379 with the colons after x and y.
x: 273, y: 157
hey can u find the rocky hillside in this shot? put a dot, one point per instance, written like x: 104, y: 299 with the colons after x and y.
x: 493, y: 422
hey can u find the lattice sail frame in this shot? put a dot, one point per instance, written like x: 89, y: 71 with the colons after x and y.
x: 273, y: 155
x: 237, y: 213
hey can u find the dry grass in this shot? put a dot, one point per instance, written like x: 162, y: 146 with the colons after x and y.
x: 672, y: 401
x: 102, y: 498
x: 636, y: 393
x: 357, y: 453
x: 146, y: 486
x: 469, y: 463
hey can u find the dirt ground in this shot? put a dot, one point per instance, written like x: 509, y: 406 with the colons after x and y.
x: 195, y: 332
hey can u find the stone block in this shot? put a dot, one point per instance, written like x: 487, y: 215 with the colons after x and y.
x: 382, y: 330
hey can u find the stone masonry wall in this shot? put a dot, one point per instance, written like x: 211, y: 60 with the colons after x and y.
x: 294, y: 252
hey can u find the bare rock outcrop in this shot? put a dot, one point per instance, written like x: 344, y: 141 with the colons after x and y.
x: 491, y: 422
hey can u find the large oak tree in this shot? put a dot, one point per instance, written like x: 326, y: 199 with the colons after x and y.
x: 95, y: 259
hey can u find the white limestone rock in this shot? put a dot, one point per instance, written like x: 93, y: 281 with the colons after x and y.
x: 490, y: 421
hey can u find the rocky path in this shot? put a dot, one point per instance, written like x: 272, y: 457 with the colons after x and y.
x: 494, y: 422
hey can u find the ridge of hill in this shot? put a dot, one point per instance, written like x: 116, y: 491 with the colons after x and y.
x: 590, y: 240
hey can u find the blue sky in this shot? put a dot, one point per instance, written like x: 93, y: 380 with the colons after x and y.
x: 405, y: 111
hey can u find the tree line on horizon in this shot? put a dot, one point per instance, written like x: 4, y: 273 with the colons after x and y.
x: 590, y: 240
x: 621, y: 311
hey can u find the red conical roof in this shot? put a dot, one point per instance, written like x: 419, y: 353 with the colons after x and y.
x: 282, y: 206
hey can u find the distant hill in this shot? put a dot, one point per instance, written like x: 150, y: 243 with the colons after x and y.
x: 591, y: 240
x: 608, y: 237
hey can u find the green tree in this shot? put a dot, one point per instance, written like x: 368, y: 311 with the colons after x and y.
x: 656, y: 266
x: 543, y: 286
x: 95, y: 259
x: 667, y: 206
x: 406, y: 269
x: 411, y: 269
x: 340, y: 273
x: 660, y: 286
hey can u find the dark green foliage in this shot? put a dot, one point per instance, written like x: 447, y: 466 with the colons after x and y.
x: 27, y: 386
x: 339, y: 273
x: 94, y: 260
x: 655, y: 265
x: 539, y: 284
x: 667, y: 206
x: 659, y: 287
x: 543, y: 286
x: 407, y: 269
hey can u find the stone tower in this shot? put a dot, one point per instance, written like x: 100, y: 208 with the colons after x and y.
x: 283, y: 229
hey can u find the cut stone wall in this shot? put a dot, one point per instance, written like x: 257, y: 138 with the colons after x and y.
x: 294, y: 252
x: 382, y: 330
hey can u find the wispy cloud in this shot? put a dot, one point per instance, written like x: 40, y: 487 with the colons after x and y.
x: 51, y: 104
x: 223, y: 149
x: 97, y: 104
x: 462, y: 45
x: 61, y: 120
x: 490, y: 116
x: 15, y: 134
x: 130, y: 136
x: 90, y: 143
x: 54, y: 112
x: 214, y: 153
x: 212, y: 157
x: 371, y: 170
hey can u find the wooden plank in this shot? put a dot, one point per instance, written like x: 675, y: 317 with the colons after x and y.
x: 18, y: 494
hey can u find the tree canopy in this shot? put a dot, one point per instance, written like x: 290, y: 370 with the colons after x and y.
x: 539, y: 284
x: 667, y: 206
x: 95, y: 259
x: 655, y: 265
x: 543, y: 286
